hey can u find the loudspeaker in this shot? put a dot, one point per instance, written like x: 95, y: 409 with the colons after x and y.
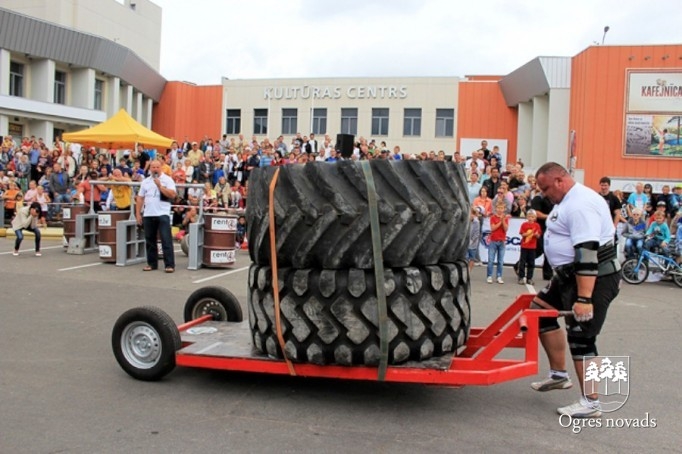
x: 344, y: 144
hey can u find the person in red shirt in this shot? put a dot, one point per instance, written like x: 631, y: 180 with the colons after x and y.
x: 499, y: 223
x: 530, y: 232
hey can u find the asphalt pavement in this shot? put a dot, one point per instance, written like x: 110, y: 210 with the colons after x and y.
x: 61, y: 389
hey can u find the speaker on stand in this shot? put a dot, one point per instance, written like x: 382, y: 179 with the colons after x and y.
x: 344, y: 145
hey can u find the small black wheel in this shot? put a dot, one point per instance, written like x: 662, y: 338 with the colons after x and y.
x: 184, y: 244
x: 217, y: 301
x: 144, y: 340
x: 634, y: 272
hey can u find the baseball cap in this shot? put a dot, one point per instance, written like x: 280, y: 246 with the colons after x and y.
x: 678, y: 186
x: 660, y: 204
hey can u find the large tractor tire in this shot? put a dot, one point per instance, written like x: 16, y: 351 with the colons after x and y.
x: 322, y: 217
x: 331, y: 316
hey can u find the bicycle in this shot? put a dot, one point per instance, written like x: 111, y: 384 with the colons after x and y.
x: 636, y: 270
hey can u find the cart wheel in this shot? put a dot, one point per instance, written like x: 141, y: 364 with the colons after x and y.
x: 633, y: 274
x: 184, y: 244
x: 217, y: 301
x: 144, y: 340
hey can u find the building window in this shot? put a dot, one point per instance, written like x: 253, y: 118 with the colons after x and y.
x: 412, y: 123
x: 445, y: 122
x: 59, y: 87
x: 380, y: 122
x: 260, y: 121
x: 289, y: 121
x: 349, y: 121
x: 233, y: 124
x: 99, y: 94
x: 320, y: 121
x: 16, y: 79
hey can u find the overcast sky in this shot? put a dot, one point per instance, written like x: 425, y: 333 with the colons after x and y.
x: 204, y: 40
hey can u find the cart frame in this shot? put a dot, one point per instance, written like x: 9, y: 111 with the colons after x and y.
x: 517, y: 327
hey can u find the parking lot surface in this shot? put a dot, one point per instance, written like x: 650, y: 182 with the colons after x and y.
x: 61, y: 389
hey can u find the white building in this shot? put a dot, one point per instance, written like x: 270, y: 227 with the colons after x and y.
x: 417, y: 113
x: 69, y: 64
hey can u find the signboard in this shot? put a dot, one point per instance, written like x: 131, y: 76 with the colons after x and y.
x: 512, y: 249
x: 227, y: 224
x: 104, y: 220
x: 105, y: 251
x: 228, y: 256
x: 653, y: 114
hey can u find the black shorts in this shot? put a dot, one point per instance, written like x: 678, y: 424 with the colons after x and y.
x: 562, y: 295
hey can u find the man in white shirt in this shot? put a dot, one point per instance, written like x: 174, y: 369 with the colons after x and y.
x: 155, y: 196
x: 579, y: 245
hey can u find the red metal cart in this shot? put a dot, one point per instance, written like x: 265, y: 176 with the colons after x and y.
x: 148, y: 345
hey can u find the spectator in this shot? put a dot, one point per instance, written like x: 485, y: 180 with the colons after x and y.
x: 474, y: 237
x: 121, y: 196
x: 634, y: 233
x: 236, y: 195
x: 530, y: 233
x: 483, y: 202
x: 59, y: 188
x: 499, y: 223
x: 10, y: 197
x: 27, y: 219
x: 473, y: 187
x: 503, y: 197
x: 658, y: 233
x: 660, y: 208
x: 611, y: 200
x: 241, y: 231
x: 637, y: 199
x: 493, y: 183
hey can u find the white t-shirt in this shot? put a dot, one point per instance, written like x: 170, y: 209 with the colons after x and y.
x: 582, y: 215
x: 153, y: 206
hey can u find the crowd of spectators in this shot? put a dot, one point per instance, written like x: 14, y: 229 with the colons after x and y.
x: 33, y: 171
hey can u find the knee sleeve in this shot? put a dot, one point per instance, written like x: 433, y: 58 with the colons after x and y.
x: 582, y: 346
x: 546, y: 324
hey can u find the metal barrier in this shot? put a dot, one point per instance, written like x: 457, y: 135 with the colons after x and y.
x: 130, y: 244
x: 2, y: 212
x: 196, y: 244
x: 85, y: 238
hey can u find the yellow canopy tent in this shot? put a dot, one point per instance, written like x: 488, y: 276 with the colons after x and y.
x: 120, y: 131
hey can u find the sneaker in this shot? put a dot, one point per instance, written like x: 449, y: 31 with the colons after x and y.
x: 500, y: 281
x: 489, y: 280
x: 522, y: 281
x: 530, y: 282
x: 581, y: 409
x: 38, y: 254
x: 479, y: 263
x: 15, y: 253
x: 551, y: 383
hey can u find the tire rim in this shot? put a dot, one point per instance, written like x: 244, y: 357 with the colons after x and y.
x: 209, y: 306
x: 141, y: 345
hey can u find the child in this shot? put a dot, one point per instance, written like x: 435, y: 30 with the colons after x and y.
x: 474, y: 237
x: 633, y: 232
x: 241, y: 231
x: 530, y: 232
x: 499, y: 223
x: 658, y: 234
